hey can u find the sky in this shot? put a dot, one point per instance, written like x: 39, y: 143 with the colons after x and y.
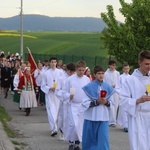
x: 60, y: 8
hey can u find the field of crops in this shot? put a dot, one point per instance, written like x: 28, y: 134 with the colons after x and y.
x: 62, y: 43
x: 68, y: 46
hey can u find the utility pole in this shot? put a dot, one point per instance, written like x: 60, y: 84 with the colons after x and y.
x: 21, y: 29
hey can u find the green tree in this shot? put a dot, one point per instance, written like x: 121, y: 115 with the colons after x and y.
x: 126, y: 40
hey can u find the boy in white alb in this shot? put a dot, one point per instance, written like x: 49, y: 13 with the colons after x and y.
x: 46, y: 65
x: 48, y: 86
x: 62, y: 116
x: 135, y: 100
x: 111, y: 77
x: 74, y: 92
x: 38, y: 74
x: 122, y: 119
x: 96, y: 103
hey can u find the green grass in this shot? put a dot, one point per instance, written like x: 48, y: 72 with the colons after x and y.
x: 4, y: 118
x: 68, y: 46
x: 62, y: 43
x: 19, y: 143
x: 3, y: 115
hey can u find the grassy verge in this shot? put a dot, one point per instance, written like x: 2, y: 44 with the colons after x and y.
x: 19, y: 145
x: 4, y: 118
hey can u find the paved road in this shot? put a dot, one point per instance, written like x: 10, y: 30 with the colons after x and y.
x: 34, y: 129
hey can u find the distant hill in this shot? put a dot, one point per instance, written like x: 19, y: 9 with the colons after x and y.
x: 45, y: 23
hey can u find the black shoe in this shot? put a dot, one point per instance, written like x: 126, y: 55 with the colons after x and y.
x: 112, y: 125
x: 71, y: 147
x: 27, y: 111
x: 53, y: 133
x: 6, y: 95
x: 77, y: 148
x: 125, y: 129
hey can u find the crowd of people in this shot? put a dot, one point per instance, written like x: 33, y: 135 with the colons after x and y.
x: 80, y: 105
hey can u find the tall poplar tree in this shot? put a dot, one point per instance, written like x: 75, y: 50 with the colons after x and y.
x: 126, y: 40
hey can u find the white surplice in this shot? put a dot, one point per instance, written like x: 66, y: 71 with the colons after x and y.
x: 45, y: 68
x: 75, y: 112
x: 111, y: 78
x: 139, y: 114
x: 122, y: 119
x: 38, y: 76
x: 62, y: 116
x: 16, y: 79
x: 52, y: 102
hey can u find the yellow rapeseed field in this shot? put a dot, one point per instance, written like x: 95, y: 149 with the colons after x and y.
x: 13, y: 34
